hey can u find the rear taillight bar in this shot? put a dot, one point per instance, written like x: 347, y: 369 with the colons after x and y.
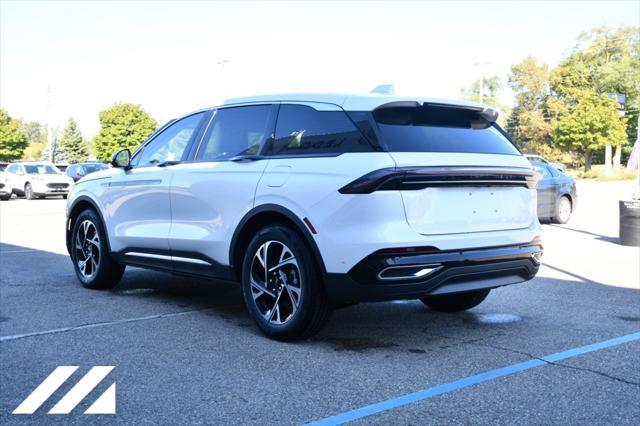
x: 414, y: 178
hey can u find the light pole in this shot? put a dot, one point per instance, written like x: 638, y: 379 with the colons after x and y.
x: 481, y: 64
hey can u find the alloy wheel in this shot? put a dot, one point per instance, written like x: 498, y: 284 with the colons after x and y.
x: 276, y: 285
x: 87, y: 246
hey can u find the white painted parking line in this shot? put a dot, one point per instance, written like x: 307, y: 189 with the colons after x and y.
x: 18, y: 251
x: 100, y: 324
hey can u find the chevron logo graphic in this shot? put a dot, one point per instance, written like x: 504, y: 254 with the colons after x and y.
x: 105, y: 404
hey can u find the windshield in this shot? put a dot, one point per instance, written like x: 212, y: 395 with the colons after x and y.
x: 41, y: 169
x: 440, y: 129
x: 90, y: 168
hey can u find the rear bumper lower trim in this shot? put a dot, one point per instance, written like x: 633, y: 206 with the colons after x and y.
x: 458, y: 271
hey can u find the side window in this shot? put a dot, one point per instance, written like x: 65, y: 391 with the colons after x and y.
x: 301, y: 130
x: 12, y: 168
x: 236, y: 131
x: 171, y: 143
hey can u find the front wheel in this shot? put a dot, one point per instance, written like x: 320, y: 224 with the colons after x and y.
x: 281, y: 285
x: 92, y: 262
x: 28, y: 192
x: 456, y: 302
x: 5, y: 197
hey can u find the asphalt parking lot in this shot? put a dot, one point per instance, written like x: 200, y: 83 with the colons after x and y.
x: 186, y: 352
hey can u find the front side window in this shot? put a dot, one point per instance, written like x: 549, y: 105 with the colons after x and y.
x: 171, y: 143
x: 13, y: 168
x: 301, y: 130
x: 236, y: 131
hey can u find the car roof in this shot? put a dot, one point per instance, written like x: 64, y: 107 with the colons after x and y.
x: 351, y: 102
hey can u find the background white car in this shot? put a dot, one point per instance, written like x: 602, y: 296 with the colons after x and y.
x: 37, y: 180
x: 5, y: 187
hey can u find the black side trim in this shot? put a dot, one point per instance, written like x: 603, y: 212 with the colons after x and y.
x: 414, y: 178
x: 274, y: 208
x: 214, y: 270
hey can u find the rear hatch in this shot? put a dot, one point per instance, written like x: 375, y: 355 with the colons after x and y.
x: 457, y: 171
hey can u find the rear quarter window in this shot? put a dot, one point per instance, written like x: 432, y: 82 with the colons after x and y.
x: 302, y: 130
x: 440, y: 129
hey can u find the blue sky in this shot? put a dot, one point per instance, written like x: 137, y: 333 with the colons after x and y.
x: 165, y: 55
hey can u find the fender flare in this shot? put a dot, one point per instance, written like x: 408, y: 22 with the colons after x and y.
x: 69, y: 228
x: 275, y: 208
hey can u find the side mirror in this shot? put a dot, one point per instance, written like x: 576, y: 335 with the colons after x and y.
x: 121, y: 159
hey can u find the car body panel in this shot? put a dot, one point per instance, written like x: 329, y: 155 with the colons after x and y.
x: 188, y: 214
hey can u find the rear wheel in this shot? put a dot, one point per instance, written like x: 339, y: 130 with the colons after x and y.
x: 456, y: 302
x: 28, y: 192
x: 563, y: 210
x: 281, y: 285
x: 92, y: 262
x: 5, y: 197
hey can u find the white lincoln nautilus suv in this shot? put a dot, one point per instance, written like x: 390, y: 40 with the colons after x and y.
x: 315, y: 200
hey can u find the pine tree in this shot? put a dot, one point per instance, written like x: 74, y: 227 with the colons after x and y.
x: 74, y: 146
x: 53, y: 151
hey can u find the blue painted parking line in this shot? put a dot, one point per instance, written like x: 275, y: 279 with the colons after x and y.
x: 469, y: 381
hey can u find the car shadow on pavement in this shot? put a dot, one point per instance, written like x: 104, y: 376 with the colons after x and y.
x: 605, y: 238
x: 386, y: 327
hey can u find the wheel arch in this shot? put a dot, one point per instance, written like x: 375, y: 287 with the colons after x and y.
x: 259, y: 217
x: 568, y: 195
x: 79, y: 205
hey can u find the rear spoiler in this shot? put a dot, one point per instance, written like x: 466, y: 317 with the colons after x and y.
x: 489, y: 114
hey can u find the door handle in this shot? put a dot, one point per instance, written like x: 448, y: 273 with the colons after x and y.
x: 167, y: 163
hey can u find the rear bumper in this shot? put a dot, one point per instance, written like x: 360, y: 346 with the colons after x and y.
x: 440, y: 272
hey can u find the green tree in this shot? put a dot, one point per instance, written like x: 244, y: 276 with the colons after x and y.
x: 603, y: 62
x: 36, y: 137
x: 530, y: 123
x: 53, y: 150
x: 13, y: 141
x: 122, y: 126
x: 74, y: 146
x: 592, y: 123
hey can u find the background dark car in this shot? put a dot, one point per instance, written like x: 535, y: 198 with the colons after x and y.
x: 557, y: 195
x: 80, y: 170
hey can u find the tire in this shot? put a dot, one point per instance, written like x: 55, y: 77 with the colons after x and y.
x: 5, y: 197
x: 272, y: 302
x: 102, y: 271
x: 28, y: 192
x: 456, y: 302
x: 563, y: 210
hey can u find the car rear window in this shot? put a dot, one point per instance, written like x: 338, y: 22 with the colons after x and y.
x: 440, y: 129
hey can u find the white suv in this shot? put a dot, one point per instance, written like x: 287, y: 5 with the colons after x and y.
x: 316, y: 200
x: 35, y: 179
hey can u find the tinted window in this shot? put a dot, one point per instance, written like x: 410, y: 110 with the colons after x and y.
x: 440, y: 129
x: 542, y: 168
x: 171, y: 143
x: 303, y: 130
x: 13, y: 168
x: 236, y: 131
